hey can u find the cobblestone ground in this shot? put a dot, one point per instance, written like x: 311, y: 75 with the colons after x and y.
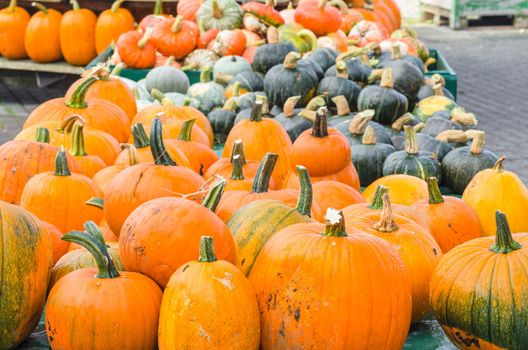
x: 492, y: 83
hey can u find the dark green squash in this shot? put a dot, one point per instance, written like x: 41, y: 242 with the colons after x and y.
x: 439, y: 147
x: 271, y: 54
x: 397, y: 55
x: 357, y: 71
x: 248, y: 82
x: 354, y: 128
x: 396, y: 128
x: 388, y: 103
x: 411, y: 161
x: 324, y: 57
x: 368, y: 157
x: 222, y: 120
x: 248, y: 100
x: 460, y: 120
x: 288, y: 79
x: 460, y: 165
x: 246, y: 113
x: 292, y: 120
x: 342, y: 110
x: 332, y: 86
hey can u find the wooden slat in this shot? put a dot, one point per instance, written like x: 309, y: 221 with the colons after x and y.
x: 28, y: 65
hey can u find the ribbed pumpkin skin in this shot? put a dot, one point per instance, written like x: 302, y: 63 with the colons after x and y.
x: 269, y: 55
x: 368, y: 160
x: 254, y: 224
x: 403, y: 189
x: 25, y: 265
x: 331, y: 87
x: 77, y: 259
x: 477, y: 295
x: 80, y: 301
x: 388, y: 103
x: 13, y: 22
x: 42, y: 36
x: 209, y: 305
x: 77, y: 36
x: 354, y: 316
x: 421, y: 165
x: 332, y: 194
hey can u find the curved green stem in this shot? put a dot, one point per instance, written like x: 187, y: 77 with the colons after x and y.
x: 217, y: 10
x: 117, y: 69
x: 75, y: 4
x: 61, y: 163
x: 42, y: 135
x: 68, y: 123
x: 335, y: 224
x: 116, y: 5
x: 320, y: 126
x: 159, y: 153
x: 309, y: 36
x: 499, y: 166
x: 157, y: 94
x: 504, y: 242
x: 145, y: 38
x: 186, y: 130
x: 238, y: 149
x: 158, y: 8
x: 93, y: 241
x: 256, y: 111
x: 77, y: 100
x: 377, y: 201
x: 386, y: 222
x: 139, y: 136
x: 207, y: 251
x: 77, y: 141
x: 237, y: 168
x: 40, y: 7
x: 304, y: 203
x: 12, y: 5
x: 95, y: 202
x: 214, y: 194
x: 176, y: 26
x: 435, y: 196
x: 263, y: 175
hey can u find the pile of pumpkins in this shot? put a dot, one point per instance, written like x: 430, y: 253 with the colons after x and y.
x: 133, y: 233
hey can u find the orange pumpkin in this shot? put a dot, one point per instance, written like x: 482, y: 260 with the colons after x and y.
x: 452, y: 221
x: 262, y: 135
x: 337, y: 41
x: 163, y: 234
x: 318, y: 16
x: 228, y: 43
x: 99, y: 301
x: 416, y: 246
x: 188, y: 8
x: 154, y: 18
x: 232, y: 303
x: 403, y: 189
x: 63, y: 191
x: 109, y: 87
x: 350, y: 16
x: 21, y: 160
x: 110, y: 24
x: 108, y: 237
x: 41, y: 40
x: 333, y: 194
x: 342, y: 305
x: 366, y: 32
x: 89, y: 164
x: 234, y: 200
x: 13, y: 23
x: 175, y: 37
x: 97, y: 113
x: 96, y: 141
x: 145, y: 181
x: 59, y: 246
x: 136, y: 50
x: 237, y: 181
x: 77, y: 35
x: 206, y: 36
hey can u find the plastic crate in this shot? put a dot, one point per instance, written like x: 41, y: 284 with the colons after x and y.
x: 444, y: 69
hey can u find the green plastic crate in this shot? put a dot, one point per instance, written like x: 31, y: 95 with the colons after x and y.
x: 444, y: 69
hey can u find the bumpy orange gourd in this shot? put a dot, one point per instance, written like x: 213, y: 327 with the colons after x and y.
x: 136, y: 50
x: 26, y: 258
x: 77, y: 35
x: 66, y: 193
x: 13, y: 23
x: 416, y: 246
x: 175, y: 37
x: 163, y: 234
x: 497, y: 189
x: 227, y: 319
x: 318, y: 16
x: 322, y: 297
x: 333, y: 194
x: 111, y: 24
x: 90, y: 308
x: 451, y: 220
x: 188, y: 8
x: 41, y: 40
x: 403, y: 189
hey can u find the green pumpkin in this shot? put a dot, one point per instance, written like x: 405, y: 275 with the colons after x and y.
x: 222, y: 120
x: 458, y: 120
x: 412, y: 161
x: 439, y: 147
x: 248, y: 112
x: 254, y: 224
x: 209, y: 93
x: 167, y: 79
x: 342, y: 110
x: 179, y: 100
x: 271, y: 54
x: 388, y: 103
x: 324, y: 57
x: 369, y: 156
x: 358, y: 71
x: 220, y: 14
x: 354, y: 128
x: 461, y: 164
x: 227, y: 67
x: 339, y: 85
x: 247, y: 100
x: 248, y: 82
x: 288, y: 79
x: 303, y: 39
x: 396, y: 128
x: 292, y: 119
x: 430, y: 105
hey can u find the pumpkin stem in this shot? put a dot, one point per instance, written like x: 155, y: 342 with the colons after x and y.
x: 256, y: 111
x: 77, y: 100
x: 375, y: 75
x: 207, y: 251
x: 478, y: 142
x: 504, y: 242
x: 364, y: 59
x: 159, y: 153
x: 214, y: 194
x: 42, y: 135
x: 265, y: 103
x: 499, y: 167
x: 116, y: 5
x: 387, y: 80
x: 270, y: 3
x: 322, y: 4
x: 341, y: 70
x: 458, y: 115
x: 456, y: 136
x: 369, y: 136
x: 176, y: 26
x: 289, y: 106
x: 304, y: 203
x: 377, y: 201
x: 438, y: 90
x: 139, y: 136
x: 158, y: 8
x: 235, y: 90
x: 435, y: 196
x: 61, y: 163
x: 94, y: 242
x: 132, y: 153
x: 309, y: 36
x: 118, y: 67
x: 186, y: 102
x: 335, y: 223
x: 320, y: 127
x: 315, y: 103
x: 39, y: 7
x: 386, y: 222
x: 272, y: 35
x: 67, y: 124
x: 359, y: 123
x: 264, y: 171
x: 205, y: 74
x: 75, y: 4
x: 405, y: 119
x: 185, y: 132
x: 145, y: 38
x: 290, y: 61
x: 158, y: 95
x: 238, y: 150
x: 342, y: 105
x: 169, y: 61
x: 351, y: 53
x: 237, y: 172
x: 78, y: 148
x: 396, y: 52
x: 12, y: 5
x: 217, y: 10
x: 95, y: 202
x: 411, y: 146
